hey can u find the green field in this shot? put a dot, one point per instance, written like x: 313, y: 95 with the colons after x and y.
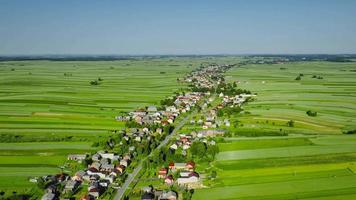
x: 46, y: 115
x: 263, y: 143
x: 247, y: 169
x: 315, y: 161
x: 37, y: 98
x: 49, y: 109
x: 281, y: 98
x: 20, y: 161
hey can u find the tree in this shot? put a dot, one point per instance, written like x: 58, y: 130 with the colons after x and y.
x: 41, y: 183
x: 311, y: 113
x: 94, y: 82
x: 212, y: 151
x: 213, y: 174
x: 220, y: 113
x: 198, y: 149
x: 290, y: 123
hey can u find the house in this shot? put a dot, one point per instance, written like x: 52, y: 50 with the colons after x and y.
x: 95, y: 165
x: 93, y: 171
x: 124, y: 162
x: 184, y: 174
x: 104, y: 182
x: 96, y: 157
x: 162, y: 173
x: 132, y: 148
x: 94, y: 192
x: 147, y: 196
x: 169, y: 180
x: 87, y: 197
x: 208, y: 124
x: 104, y: 161
x: 176, y: 166
x: 138, y: 139
x: 61, y: 177
x: 184, y: 139
x: 77, y: 157
x: 159, y: 130
x: 171, y: 165
x: 71, y: 186
x: 147, y: 189
x: 120, y: 168
x: 174, y: 147
x: 78, y: 176
x: 170, y: 121
x: 192, y: 178
x: 107, y: 167
x: 127, y: 157
x: 190, y: 165
x: 151, y: 109
x: 49, y: 196
x: 171, y: 109
x: 110, y: 156
x: 186, y: 146
x: 169, y: 195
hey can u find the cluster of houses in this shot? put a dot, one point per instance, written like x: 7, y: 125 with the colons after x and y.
x: 207, y: 77
x: 184, y: 141
x: 211, y: 120
x: 104, y: 168
x: 151, y: 115
x: 187, y: 176
x: 233, y: 101
x: 149, y: 193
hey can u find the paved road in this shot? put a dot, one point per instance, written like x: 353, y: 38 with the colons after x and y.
x: 130, y: 177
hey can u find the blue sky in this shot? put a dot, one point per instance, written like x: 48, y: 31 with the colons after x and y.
x: 177, y: 27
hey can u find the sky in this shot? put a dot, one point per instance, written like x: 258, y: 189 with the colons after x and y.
x: 126, y: 27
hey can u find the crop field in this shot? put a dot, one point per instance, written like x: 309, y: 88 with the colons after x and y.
x: 20, y: 161
x: 281, y: 98
x: 283, y: 168
x: 48, y: 97
x: 49, y: 109
x: 313, y: 160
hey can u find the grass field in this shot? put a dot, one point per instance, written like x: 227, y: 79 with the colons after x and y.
x: 49, y: 109
x: 37, y: 98
x: 315, y: 161
x: 20, y: 161
x: 282, y: 98
x: 53, y: 114
x: 280, y: 168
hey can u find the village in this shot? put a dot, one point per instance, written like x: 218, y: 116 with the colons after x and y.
x: 145, y: 127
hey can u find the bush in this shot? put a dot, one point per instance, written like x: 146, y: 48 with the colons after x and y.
x: 350, y: 132
x: 311, y: 113
x: 95, y: 82
x: 290, y: 123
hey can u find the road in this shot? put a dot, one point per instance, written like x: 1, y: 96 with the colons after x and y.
x: 130, y: 177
